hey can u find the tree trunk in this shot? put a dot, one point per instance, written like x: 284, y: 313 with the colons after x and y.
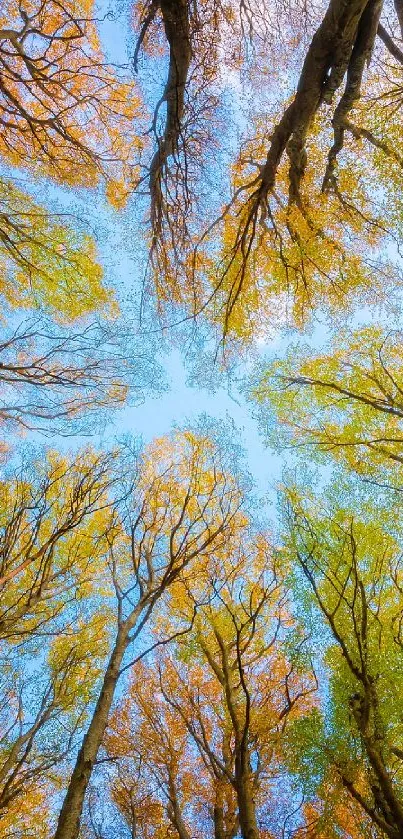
x: 175, y: 15
x: 174, y: 812
x: 68, y: 826
x: 218, y: 814
x: 246, y: 806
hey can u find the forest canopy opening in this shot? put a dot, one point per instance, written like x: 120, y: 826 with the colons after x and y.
x: 201, y: 617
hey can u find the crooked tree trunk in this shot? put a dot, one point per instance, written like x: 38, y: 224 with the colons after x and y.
x: 68, y: 826
x: 334, y: 52
x: 388, y: 799
x: 218, y: 816
x: 175, y: 14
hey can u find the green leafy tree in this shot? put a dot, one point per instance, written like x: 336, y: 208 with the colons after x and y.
x: 346, y: 404
x: 353, y: 568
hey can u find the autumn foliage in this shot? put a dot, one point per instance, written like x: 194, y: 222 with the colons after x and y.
x: 171, y: 666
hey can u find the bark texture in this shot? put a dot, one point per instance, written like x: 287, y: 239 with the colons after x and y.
x: 68, y: 826
x: 175, y: 14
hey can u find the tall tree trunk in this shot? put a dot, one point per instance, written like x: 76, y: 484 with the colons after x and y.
x: 68, y: 826
x: 174, y: 811
x: 240, y: 723
x: 218, y: 814
x: 175, y: 14
x: 247, y: 809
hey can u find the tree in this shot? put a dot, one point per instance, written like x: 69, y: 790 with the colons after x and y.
x: 45, y: 262
x: 191, y: 35
x: 52, y: 377
x: 159, y: 784
x: 302, y: 225
x: 53, y: 523
x: 161, y: 781
x: 301, y: 220
x: 65, y: 112
x: 42, y: 714
x: 199, y: 734
x: 347, y: 403
x: 54, y: 520
x: 48, y: 266
x: 353, y: 568
x: 184, y: 507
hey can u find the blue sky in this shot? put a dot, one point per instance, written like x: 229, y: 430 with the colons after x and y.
x: 182, y: 404
x: 123, y: 254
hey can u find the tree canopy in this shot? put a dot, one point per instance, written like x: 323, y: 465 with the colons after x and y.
x: 178, y: 660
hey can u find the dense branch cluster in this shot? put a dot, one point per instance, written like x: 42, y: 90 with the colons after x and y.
x: 289, y: 199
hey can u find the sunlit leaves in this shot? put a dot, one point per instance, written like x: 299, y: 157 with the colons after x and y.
x: 53, y: 522
x: 353, y: 568
x: 346, y: 403
x: 208, y: 718
x: 65, y: 112
x: 45, y: 262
